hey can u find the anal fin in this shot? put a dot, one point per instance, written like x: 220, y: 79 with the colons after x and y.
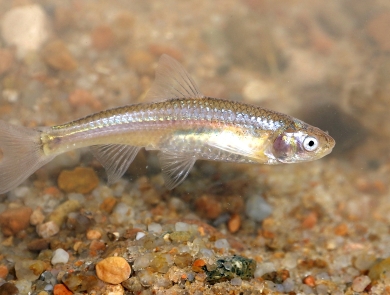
x: 115, y: 158
x: 175, y: 167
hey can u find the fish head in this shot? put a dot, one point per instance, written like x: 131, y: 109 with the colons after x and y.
x: 301, y: 143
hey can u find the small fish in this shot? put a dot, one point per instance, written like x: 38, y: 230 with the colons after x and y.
x: 182, y: 124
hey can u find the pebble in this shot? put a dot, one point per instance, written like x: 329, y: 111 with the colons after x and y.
x: 263, y: 268
x: 309, y: 280
x: 6, y: 60
x: 222, y: 244
x: 208, y: 206
x: 61, y: 289
x: 29, y: 270
x: 257, y: 208
x: 113, y: 270
x: 26, y: 27
x: 8, y: 289
x: 360, y: 283
x: 38, y: 245
x: 15, y: 220
x: 234, y: 223
x: 60, y: 213
x: 3, y: 271
x: 94, y: 234
x: 364, y: 261
x: 155, y: 228
x: 37, y: 216
x: 47, y: 229
x: 80, y: 180
x: 102, y: 38
x: 108, y: 204
x: 379, y: 268
x: 56, y: 55
x: 112, y: 290
x: 59, y: 256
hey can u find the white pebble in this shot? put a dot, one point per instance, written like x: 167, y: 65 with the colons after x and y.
x: 155, y: 228
x: 263, y: 268
x: 288, y: 285
x: 257, y: 208
x: 60, y: 256
x: 139, y: 235
x: 360, y: 283
x: 182, y: 226
x: 222, y: 244
x: 47, y: 229
x: 237, y: 281
x: 26, y: 27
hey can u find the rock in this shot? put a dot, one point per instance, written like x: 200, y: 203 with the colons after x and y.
x: 29, y: 270
x: 234, y: 223
x: 113, y: 270
x: 379, y: 268
x: 78, y: 282
x: 108, y: 204
x: 47, y: 229
x: 102, y: 38
x: 60, y: 213
x: 15, y: 220
x: 208, y: 206
x: 80, y: 180
x: 60, y: 256
x: 26, y: 27
x: 56, y: 55
x: 81, y: 97
x: 60, y: 289
x: 93, y: 234
x: 257, y: 208
x: 113, y: 290
x: 37, y: 216
x: 360, y: 283
x: 8, y: 289
x: 6, y: 60
x: 3, y: 271
x: 38, y: 245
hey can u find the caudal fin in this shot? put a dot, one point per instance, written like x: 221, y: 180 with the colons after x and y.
x: 21, y: 155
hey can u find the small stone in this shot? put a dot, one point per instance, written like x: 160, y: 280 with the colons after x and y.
x: 113, y: 270
x: 94, y: 234
x: 112, y: 290
x: 6, y: 60
x: 47, y: 229
x: 263, y: 268
x: 310, y: 281
x: 379, y: 268
x: 3, y: 271
x: 59, y: 256
x: 15, y: 220
x: 257, y: 208
x: 95, y: 247
x: 38, y: 245
x: 155, y: 228
x: 37, y: 216
x: 180, y: 236
x: 29, y: 270
x: 133, y: 284
x: 108, y: 204
x: 8, y: 289
x: 82, y: 97
x: 360, y: 283
x: 57, y: 56
x: 364, y: 261
x: 26, y: 27
x: 234, y: 223
x: 341, y: 230
x: 183, y: 260
x: 80, y: 180
x: 198, y: 265
x: 61, y: 289
x: 208, y: 206
x: 102, y: 38
x: 222, y: 244
x: 60, y: 212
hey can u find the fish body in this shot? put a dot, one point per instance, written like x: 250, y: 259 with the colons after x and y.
x: 183, y: 125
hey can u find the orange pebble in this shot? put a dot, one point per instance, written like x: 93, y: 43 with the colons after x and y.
x: 309, y: 280
x: 198, y: 264
x: 234, y: 223
x: 60, y: 289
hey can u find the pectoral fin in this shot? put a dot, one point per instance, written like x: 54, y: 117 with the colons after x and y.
x: 175, y: 167
x: 115, y: 158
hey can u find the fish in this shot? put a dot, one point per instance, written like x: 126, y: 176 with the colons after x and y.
x: 177, y: 121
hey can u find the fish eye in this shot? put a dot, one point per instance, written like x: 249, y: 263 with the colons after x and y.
x: 310, y: 143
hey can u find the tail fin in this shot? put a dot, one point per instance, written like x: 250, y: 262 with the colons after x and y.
x: 21, y: 154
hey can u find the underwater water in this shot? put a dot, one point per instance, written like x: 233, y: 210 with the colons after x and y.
x: 319, y: 227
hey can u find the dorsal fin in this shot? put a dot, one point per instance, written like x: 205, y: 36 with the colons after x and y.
x: 172, y: 81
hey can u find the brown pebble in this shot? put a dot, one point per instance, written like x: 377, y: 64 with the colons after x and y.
x: 8, y: 289
x: 310, y: 281
x: 198, y: 264
x: 81, y: 97
x: 38, y: 245
x: 310, y: 220
x: 378, y: 30
x: 379, y: 268
x: 3, y: 271
x: 80, y: 180
x: 108, y: 204
x: 6, y: 60
x: 61, y: 289
x: 234, y: 223
x: 95, y: 247
x: 341, y: 230
x: 15, y: 220
x: 61, y: 212
x: 113, y: 270
x: 57, y: 55
x: 93, y: 234
x: 102, y: 38
x: 208, y: 206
